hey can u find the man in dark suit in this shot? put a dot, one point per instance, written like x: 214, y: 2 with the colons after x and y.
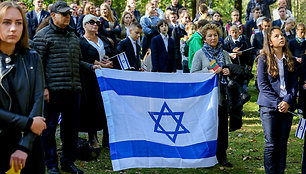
x: 130, y: 46
x: 263, y: 4
x: 282, y: 13
x: 250, y: 26
x: 259, y: 37
x: 162, y: 50
x: 74, y: 17
x: 35, y: 17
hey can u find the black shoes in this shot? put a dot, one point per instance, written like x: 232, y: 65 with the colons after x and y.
x: 225, y: 163
x: 71, y: 169
x: 53, y: 170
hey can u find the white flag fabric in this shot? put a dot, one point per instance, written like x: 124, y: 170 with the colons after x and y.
x: 160, y: 119
x: 300, y: 131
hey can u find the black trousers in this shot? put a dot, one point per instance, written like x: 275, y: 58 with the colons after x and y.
x: 9, y: 142
x: 66, y: 103
x: 222, y: 140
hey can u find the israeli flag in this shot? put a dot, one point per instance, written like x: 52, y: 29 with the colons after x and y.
x: 301, y: 129
x: 160, y: 119
x: 124, y: 62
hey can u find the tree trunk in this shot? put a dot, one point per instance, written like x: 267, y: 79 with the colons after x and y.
x: 238, y: 6
x: 194, y: 7
x: 289, y: 7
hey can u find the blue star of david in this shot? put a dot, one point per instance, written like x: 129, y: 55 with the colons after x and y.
x: 176, y: 116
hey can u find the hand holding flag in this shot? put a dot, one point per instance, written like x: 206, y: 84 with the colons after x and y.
x: 214, y: 65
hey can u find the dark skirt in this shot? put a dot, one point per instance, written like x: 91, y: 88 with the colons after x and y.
x: 92, y: 114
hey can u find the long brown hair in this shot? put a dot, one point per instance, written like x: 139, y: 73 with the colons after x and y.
x: 268, y: 52
x: 23, y: 43
x: 110, y: 16
x: 123, y: 16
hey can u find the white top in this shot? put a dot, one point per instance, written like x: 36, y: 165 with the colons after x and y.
x: 280, y: 65
x: 127, y: 30
x: 74, y: 19
x: 276, y: 14
x: 283, y: 22
x: 99, y: 47
x: 134, y: 45
x: 38, y: 15
x: 165, y: 39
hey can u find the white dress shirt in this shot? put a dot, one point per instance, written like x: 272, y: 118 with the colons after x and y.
x: 134, y: 45
x: 276, y: 14
x: 38, y: 15
x: 280, y: 65
x: 99, y: 47
x: 165, y: 39
x: 127, y: 30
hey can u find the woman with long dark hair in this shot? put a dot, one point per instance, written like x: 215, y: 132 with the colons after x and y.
x: 277, y: 83
x: 21, y: 95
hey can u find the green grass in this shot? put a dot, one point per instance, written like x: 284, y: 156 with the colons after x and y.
x: 245, y: 151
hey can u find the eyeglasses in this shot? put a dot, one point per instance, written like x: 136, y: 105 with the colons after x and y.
x: 65, y: 13
x: 92, y: 22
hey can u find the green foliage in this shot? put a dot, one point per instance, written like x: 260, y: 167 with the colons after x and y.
x: 225, y: 7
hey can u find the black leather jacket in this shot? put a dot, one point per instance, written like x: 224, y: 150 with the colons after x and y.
x: 28, y: 94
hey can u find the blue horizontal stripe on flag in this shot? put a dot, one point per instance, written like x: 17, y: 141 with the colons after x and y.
x: 141, y: 148
x: 157, y: 89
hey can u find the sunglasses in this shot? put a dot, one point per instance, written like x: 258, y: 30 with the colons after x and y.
x: 65, y: 13
x: 92, y: 22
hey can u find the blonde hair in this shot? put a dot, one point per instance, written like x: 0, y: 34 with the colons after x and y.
x: 234, y: 28
x: 23, y: 43
x: 207, y: 27
x: 110, y: 16
x: 183, y: 14
x: 87, y: 7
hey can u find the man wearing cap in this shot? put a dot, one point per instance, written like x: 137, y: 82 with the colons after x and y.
x: 59, y: 49
x: 35, y: 17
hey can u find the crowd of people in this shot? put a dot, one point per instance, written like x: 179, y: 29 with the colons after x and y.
x: 48, y: 58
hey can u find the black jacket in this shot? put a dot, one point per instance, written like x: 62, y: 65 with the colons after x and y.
x: 28, y: 95
x: 277, y: 22
x: 229, y: 45
x: 127, y: 47
x: 177, y: 34
x: 113, y: 33
x: 61, y: 57
x: 162, y: 60
x: 258, y: 42
x: 32, y: 21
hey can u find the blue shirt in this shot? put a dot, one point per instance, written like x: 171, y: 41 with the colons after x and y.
x: 146, y: 22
